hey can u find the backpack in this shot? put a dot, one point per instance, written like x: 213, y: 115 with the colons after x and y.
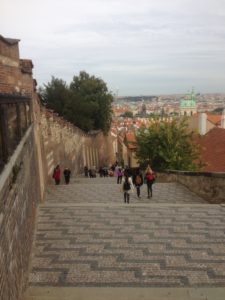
x: 138, y: 180
x: 126, y: 185
x: 150, y: 177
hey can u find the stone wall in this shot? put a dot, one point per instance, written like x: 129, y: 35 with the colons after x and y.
x: 26, y: 170
x: 19, y: 196
x: 23, y: 181
x: 16, y: 91
x: 66, y: 145
x: 12, y: 52
x: 19, y: 173
x: 210, y: 186
x: 60, y: 142
x: 15, y: 73
x: 104, y: 146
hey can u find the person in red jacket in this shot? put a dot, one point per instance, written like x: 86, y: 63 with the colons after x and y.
x: 57, y: 175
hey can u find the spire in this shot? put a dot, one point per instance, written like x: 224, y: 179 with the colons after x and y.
x: 192, y: 94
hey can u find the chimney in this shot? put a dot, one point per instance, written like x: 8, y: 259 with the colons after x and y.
x: 223, y: 119
x: 202, y: 118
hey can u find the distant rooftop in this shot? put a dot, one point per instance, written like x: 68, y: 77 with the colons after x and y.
x: 213, y: 150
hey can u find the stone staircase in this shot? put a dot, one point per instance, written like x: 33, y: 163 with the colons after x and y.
x: 90, y: 245
x: 125, y: 294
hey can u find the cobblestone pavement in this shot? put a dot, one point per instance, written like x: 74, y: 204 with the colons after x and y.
x: 105, y: 190
x: 174, y: 240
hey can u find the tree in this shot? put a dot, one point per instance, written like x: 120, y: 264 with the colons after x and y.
x: 167, y: 145
x: 93, y: 96
x: 218, y: 111
x: 86, y: 102
x: 128, y: 114
x: 54, y: 95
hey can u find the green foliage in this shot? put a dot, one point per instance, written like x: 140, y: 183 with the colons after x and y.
x: 55, y: 94
x: 128, y: 114
x: 167, y: 145
x: 218, y: 111
x: 86, y: 102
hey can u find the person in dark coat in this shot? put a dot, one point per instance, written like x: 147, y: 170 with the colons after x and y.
x: 67, y: 174
x: 127, y: 172
x: 86, y: 171
x: 101, y: 172
x: 90, y: 173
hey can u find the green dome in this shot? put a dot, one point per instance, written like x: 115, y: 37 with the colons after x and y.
x: 189, y: 101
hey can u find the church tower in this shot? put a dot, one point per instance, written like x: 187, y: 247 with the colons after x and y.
x: 188, y: 105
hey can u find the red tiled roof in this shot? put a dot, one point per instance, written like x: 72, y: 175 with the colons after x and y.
x: 213, y: 150
x: 215, y: 119
x: 130, y: 137
x: 131, y: 140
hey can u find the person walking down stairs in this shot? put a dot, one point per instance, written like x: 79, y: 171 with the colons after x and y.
x: 150, y: 179
x: 119, y: 175
x: 127, y: 188
x: 138, y: 182
x: 57, y: 175
x: 67, y: 174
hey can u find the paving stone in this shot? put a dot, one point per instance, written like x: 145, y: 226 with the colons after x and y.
x: 175, y: 239
x: 107, y: 191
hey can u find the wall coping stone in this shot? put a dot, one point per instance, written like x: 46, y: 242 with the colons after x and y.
x: 9, y: 41
x: 55, y: 118
x: 15, y: 96
x: 192, y: 173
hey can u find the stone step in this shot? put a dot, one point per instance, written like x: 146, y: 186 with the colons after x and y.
x: 64, y: 293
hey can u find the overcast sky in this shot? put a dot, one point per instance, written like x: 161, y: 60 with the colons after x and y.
x: 138, y: 47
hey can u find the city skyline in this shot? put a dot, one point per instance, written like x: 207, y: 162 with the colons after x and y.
x: 150, y: 49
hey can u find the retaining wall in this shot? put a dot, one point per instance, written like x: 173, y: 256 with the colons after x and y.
x: 19, y: 196
x: 210, y: 186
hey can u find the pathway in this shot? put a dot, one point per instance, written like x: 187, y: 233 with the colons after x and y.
x: 90, y: 244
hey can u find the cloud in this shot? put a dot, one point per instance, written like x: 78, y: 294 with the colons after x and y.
x: 123, y: 42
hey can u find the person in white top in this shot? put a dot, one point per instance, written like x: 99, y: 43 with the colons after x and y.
x: 127, y: 188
